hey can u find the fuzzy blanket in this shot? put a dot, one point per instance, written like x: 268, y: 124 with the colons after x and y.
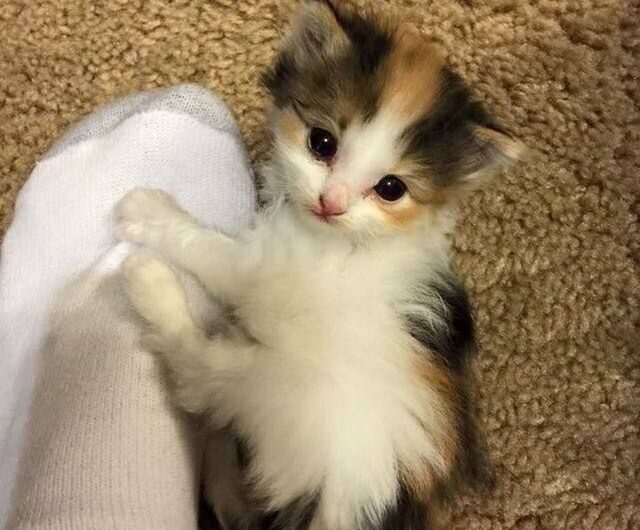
x: 549, y: 252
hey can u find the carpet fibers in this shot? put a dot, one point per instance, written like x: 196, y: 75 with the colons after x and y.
x: 549, y: 252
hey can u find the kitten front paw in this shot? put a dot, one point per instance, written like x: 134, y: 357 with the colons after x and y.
x: 156, y: 294
x: 144, y: 214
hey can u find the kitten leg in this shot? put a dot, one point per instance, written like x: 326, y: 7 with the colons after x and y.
x: 153, y: 218
x: 199, y: 365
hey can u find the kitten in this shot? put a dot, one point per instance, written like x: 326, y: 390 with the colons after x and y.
x: 338, y: 385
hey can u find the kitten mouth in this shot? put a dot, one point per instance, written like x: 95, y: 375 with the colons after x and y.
x: 324, y: 217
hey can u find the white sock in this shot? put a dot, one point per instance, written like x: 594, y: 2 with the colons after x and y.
x: 101, y: 447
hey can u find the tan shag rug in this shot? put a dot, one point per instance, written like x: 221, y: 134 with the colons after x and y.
x: 550, y: 252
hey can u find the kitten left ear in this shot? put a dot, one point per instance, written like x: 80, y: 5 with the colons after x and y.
x: 316, y: 36
x: 491, y: 151
x: 316, y: 31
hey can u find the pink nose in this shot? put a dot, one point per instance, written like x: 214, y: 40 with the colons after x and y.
x: 333, y: 200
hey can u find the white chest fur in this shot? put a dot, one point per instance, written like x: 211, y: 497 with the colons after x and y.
x: 332, y: 403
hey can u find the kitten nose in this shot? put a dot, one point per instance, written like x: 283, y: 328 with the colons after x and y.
x: 333, y: 200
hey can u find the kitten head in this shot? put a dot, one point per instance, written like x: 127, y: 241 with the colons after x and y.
x: 372, y: 130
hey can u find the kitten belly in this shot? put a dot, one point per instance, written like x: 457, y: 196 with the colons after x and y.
x: 334, y: 421
x: 318, y: 433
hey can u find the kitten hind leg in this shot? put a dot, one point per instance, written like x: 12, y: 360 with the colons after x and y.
x: 198, y: 364
x: 156, y: 294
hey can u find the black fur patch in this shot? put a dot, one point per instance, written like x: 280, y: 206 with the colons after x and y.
x: 453, y: 339
x: 207, y: 519
x: 296, y: 516
x: 371, y: 43
x: 444, y: 139
x: 406, y: 514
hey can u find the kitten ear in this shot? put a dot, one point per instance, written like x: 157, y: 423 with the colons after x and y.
x: 316, y: 31
x: 490, y: 151
x: 316, y: 38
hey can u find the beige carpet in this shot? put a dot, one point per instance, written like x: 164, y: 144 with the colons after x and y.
x: 550, y: 252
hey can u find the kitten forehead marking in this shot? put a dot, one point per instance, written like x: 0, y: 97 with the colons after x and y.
x: 411, y: 76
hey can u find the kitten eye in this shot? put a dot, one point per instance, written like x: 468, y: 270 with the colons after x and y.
x: 390, y: 188
x: 322, y: 144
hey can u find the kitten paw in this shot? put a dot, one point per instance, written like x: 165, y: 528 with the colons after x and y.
x: 143, y: 215
x: 156, y: 293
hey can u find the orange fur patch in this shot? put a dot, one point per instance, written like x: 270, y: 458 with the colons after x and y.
x: 401, y: 216
x: 412, y: 75
x: 291, y: 126
x: 431, y: 375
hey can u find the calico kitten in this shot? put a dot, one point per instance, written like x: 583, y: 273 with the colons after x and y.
x: 339, y: 384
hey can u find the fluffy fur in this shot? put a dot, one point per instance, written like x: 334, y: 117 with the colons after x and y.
x: 340, y: 376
